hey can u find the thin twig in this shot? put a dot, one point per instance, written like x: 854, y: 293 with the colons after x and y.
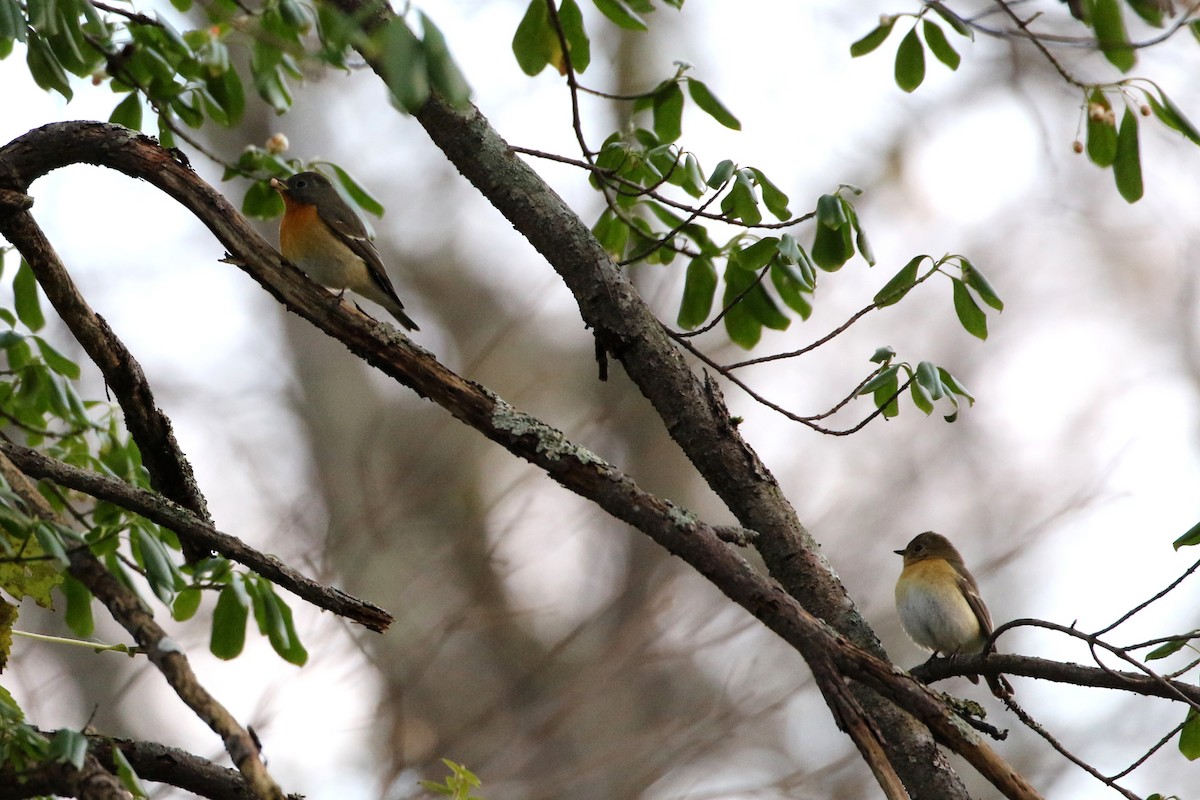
x: 1034, y: 726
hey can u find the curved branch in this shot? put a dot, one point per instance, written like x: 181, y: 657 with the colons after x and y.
x: 1058, y: 672
x: 170, y: 472
x: 188, y: 526
x: 908, y: 746
x: 93, y: 782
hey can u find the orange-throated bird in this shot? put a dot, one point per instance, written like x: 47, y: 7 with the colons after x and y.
x: 939, y: 603
x: 322, y: 235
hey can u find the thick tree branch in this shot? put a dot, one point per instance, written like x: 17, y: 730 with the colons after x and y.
x: 575, y: 468
x: 187, y: 525
x: 164, y: 652
x: 1057, y: 671
x: 93, y: 782
x: 692, y: 410
x: 170, y: 472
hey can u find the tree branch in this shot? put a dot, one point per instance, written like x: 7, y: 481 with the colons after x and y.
x: 187, y: 525
x: 170, y: 472
x: 574, y: 467
x: 93, y: 782
x: 163, y: 651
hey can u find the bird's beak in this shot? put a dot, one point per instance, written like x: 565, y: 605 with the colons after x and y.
x: 898, y: 552
x: 278, y: 186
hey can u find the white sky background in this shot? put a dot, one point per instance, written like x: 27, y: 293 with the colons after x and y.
x: 1086, y: 383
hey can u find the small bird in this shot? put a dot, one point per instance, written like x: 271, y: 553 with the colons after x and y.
x: 939, y: 603
x: 322, y: 235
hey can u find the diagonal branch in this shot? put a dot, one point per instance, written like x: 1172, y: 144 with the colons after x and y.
x: 163, y: 651
x: 187, y: 525
x: 909, y: 747
x: 170, y: 472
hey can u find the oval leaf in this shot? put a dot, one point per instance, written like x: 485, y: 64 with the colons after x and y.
x: 708, y: 103
x: 25, y: 297
x: 910, y: 62
x: 873, y: 39
x: 970, y: 315
x: 900, y: 283
x: 935, y: 37
x: 1127, y: 167
x: 229, y: 625
x: 699, y: 289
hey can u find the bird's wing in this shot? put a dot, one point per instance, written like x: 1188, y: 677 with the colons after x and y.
x: 350, y: 229
x: 970, y: 590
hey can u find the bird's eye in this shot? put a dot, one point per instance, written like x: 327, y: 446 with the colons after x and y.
x: 919, y: 548
x: 300, y: 184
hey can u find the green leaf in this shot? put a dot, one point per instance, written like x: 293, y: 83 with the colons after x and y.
x: 186, y: 604
x: 694, y: 181
x: 612, y: 233
x: 274, y: 619
x: 910, y: 62
x: 1101, y: 132
x: 44, y: 66
x: 578, y: 44
x: 261, y: 201
x: 25, y: 297
x: 976, y: 280
x: 1192, y: 537
x: 668, y: 112
x: 860, y: 235
x: 12, y: 23
x: 56, y: 360
x: 1109, y: 25
x: 1189, y: 737
x: 920, y: 397
x: 791, y: 292
x: 743, y: 327
x: 1127, y: 168
x: 1164, y: 650
x: 952, y: 19
x: 69, y: 747
x: 444, y: 73
x: 754, y: 298
x: 295, y: 16
x: 882, y: 355
x: 709, y: 104
x: 900, y: 284
x: 51, y: 543
x: 227, y: 91
x: 1170, y: 115
x: 160, y: 570
x: 884, y: 387
x: 873, y: 39
x: 361, y: 197
x: 1149, y: 10
x: 229, y: 622
x: 618, y: 13
x: 830, y: 211
x: 969, y: 314
x: 721, y: 174
x: 166, y: 137
x: 773, y: 198
x: 935, y: 37
x: 125, y: 772
x: 79, y: 607
x: 699, y: 289
x: 128, y: 112
x: 403, y: 65
x: 832, y: 248
x: 741, y: 202
x: 927, y: 375
x: 755, y: 256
